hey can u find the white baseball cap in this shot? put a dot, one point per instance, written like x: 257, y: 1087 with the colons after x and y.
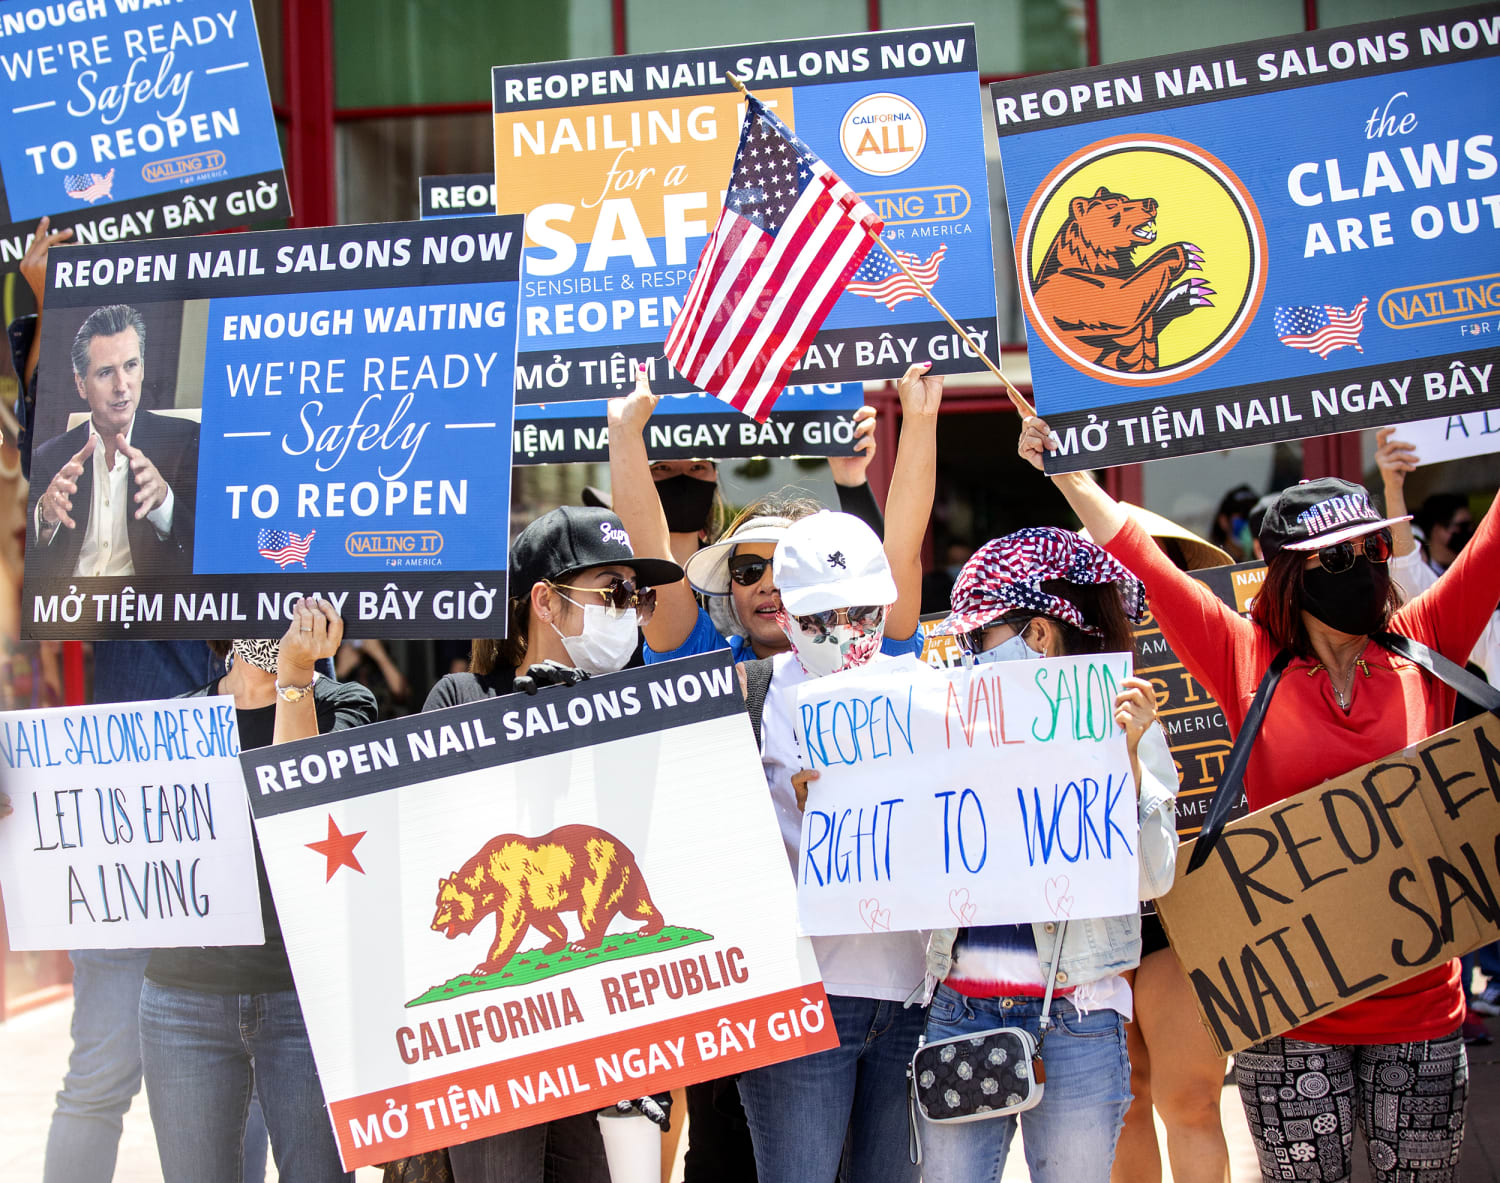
x: 708, y: 567
x: 831, y: 560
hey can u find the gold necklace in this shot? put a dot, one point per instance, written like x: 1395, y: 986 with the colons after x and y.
x: 1345, y: 696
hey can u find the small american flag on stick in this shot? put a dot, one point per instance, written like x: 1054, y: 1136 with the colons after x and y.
x: 1323, y: 329
x: 879, y: 278
x: 790, y: 236
x: 89, y: 187
x: 284, y: 549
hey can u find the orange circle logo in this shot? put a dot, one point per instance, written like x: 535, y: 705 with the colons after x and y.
x: 1110, y: 301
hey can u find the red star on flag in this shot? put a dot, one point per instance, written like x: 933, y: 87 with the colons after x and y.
x: 338, y: 848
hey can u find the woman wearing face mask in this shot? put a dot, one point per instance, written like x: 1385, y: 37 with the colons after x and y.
x: 581, y: 596
x: 666, y: 519
x: 217, y: 1023
x: 1343, y: 699
x: 844, y: 599
x: 1049, y: 593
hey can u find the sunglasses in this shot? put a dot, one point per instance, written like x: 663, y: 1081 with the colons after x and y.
x: 865, y: 615
x: 620, y: 594
x: 748, y: 570
x: 1339, y: 557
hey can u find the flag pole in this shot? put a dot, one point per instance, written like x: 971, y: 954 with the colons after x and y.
x: 1015, y: 395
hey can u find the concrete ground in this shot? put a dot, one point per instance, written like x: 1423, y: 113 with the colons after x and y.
x: 34, y: 1052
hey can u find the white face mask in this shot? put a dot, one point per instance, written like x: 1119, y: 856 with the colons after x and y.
x: 843, y: 647
x: 1011, y: 649
x: 608, y: 639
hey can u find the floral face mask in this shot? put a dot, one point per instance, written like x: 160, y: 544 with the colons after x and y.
x: 839, y: 639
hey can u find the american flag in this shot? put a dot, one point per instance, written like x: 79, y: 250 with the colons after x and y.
x: 89, y: 187
x: 1322, y: 329
x: 790, y: 236
x: 284, y: 549
x: 879, y: 278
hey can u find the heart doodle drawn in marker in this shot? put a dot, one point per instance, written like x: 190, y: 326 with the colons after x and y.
x: 1059, y: 902
x: 961, y: 906
x: 876, y: 918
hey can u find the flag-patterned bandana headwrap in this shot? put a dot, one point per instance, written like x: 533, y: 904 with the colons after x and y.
x: 1006, y: 575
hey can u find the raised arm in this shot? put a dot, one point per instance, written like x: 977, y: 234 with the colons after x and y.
x: 1395, y: 458
x: 315, y: 632
x: 909, y: 505
x: 1452, y: 614
x: 635, y: 500
x: 1202, y: 630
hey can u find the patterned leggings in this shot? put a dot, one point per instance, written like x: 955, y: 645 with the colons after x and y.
x: 1302, y: 1101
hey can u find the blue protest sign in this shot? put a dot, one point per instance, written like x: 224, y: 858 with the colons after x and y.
x: 1260, y: 242
x: 127, y: 121
x: 286, y: 412
x: 619, y: 165
x: 813, y: 420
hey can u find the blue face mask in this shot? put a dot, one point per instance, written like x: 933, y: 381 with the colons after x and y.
x: 1011, y: 649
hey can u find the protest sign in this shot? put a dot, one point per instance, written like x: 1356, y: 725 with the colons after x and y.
x: 330, y: 410
x: 1343, y: 890
x: 433, y: 1023
x: 1454, y: 437
x: 125, y: 121
x: 130, y: 828
x: 620, y: 163
x: 1204, y: 265
x: 997, y: 794
x: 1192, y: 721
x: 462, y: 195
x: 809, y: 420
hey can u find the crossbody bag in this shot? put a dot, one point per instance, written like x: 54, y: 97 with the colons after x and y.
x: 985, y: 1074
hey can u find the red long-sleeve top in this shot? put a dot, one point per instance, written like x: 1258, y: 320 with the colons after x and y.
x: 1307, y: 738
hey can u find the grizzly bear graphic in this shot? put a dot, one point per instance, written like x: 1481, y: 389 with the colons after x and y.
x: 530, y: 881
x: 1106, y: 309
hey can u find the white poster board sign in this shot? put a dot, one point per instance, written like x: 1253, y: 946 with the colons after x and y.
x: 530, y: 907
x: 1453, y: 437
x: 998, y: 794
x: 130, y: 829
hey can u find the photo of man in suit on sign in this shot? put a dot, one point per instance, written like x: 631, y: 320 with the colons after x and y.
x: 117, y: 491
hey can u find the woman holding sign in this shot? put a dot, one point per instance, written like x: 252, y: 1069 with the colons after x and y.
x: 219, y: 1023
x: 1049, y: 593
x: 1328, y: 618
x: 844, y: 599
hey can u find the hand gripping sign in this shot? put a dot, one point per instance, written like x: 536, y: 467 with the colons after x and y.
x: 445, y: 1001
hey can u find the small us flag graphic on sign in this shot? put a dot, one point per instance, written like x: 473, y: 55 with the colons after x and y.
x: 1321, y: 329
x: 284, y: 549
x: 89, y: 187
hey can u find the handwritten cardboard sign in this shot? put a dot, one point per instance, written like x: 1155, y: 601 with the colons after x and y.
x: 1258, y: 242
x: 444, y: 1002
x: 992, y: 795
x: 329, y: 408
x: 1454, y: 437
x: 1343, y: 890
x: 128, y: 121
x: 130, y: 829
x: 620, y: 163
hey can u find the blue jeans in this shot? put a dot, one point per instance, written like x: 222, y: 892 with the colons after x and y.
x: 566, y: 1150
x: 104, y: 1071
x: 1070, y: 1136
x: 204, y: 1055
x: 802, y: 1112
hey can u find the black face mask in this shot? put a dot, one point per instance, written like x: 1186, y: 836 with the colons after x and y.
x: 686, y: 501
x: 1353, y: 602
x: 1459, y: 537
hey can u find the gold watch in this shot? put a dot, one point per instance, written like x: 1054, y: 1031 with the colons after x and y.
x: 293, y: 693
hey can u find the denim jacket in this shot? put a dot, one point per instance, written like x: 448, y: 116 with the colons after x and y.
x: 1094, y: 949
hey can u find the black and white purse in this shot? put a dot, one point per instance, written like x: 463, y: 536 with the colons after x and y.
x: 986, y: 1074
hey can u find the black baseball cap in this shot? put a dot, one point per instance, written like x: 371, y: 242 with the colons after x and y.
x: 565, y: 541
x: 1319, y: 513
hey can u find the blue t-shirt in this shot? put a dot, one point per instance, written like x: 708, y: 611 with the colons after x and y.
x: 705, y: 639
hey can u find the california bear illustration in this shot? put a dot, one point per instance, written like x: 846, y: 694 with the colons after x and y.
x: 1107, y: 309
x: 529, y: 881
